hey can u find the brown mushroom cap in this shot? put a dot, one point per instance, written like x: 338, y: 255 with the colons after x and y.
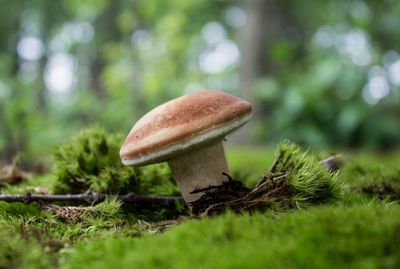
x: 182, y: 124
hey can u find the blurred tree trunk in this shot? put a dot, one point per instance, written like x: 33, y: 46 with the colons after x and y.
x: 45, y: 25
x: 106, y: 33
x: 263, y: 25
x: 96, y: 85
x: 9, y: 121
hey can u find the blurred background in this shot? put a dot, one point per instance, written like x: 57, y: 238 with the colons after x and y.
x: 322, y: 73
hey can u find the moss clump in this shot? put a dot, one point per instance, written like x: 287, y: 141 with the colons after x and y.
x: 116, y: 179
x: 307, y: 180
x: 296, y: 180
x: 90, y: 161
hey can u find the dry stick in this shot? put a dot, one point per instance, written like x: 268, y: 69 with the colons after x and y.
x: 91, y: 198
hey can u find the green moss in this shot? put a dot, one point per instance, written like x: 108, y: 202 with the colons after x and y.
x: 373, y: 180
x: 14, y: 252
x: 359, y: 231
x: 308, y: 181
x: 324, y: 237
x: 47, y: 236
x: 90, y: 161
x: 388, y: 189
x: 83, y: 158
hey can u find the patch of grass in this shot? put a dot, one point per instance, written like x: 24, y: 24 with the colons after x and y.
x: 323, y: 237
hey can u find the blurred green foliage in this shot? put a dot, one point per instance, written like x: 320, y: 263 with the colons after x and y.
x: 327, y: 73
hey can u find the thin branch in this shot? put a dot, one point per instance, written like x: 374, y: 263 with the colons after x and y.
x: 92, y: 198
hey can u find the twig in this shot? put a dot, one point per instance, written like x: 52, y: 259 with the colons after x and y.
x: 92, y: 198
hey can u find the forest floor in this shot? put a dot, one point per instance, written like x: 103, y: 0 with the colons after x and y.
x: 360, y: 230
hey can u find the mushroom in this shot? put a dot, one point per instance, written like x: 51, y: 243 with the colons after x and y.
x: 187, y: 132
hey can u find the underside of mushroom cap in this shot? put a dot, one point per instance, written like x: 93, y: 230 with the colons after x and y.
x: 183, y: 124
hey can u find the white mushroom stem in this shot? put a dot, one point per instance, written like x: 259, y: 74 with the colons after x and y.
x: 199, y: 169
